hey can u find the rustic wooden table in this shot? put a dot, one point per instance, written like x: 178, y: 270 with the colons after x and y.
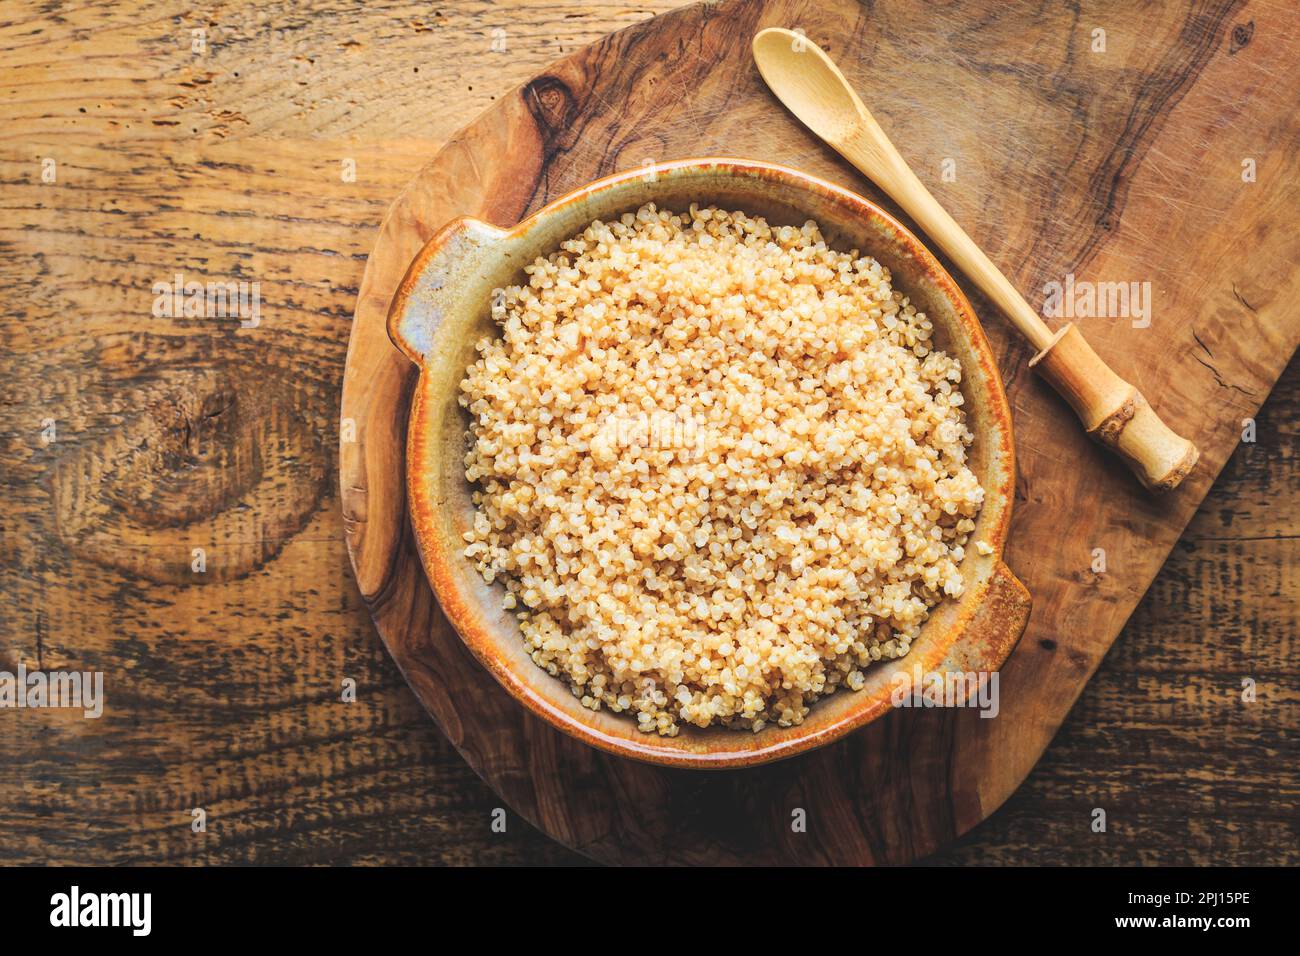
x: 264, y: 146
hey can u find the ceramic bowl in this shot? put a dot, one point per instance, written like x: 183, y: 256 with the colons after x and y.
x: 442, y: 308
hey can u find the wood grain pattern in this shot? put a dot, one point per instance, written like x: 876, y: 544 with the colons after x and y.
x: 224, y: 692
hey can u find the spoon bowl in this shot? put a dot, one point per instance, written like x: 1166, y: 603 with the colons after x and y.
x: 809, y: 83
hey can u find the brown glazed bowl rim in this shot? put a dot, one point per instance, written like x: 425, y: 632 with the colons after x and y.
x: 408, y: 323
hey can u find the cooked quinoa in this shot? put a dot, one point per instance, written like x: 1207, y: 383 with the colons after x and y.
x: 720, y: 467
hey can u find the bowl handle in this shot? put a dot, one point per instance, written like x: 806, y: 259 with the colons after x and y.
x: 435, y: 278
x: 994, y: 631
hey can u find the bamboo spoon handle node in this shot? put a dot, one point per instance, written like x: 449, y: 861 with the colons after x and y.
x: 1113, y: 412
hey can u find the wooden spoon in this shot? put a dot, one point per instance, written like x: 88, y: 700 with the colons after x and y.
x: 1113, y: 412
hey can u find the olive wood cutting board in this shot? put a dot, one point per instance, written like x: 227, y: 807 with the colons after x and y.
x: 1077, y: 146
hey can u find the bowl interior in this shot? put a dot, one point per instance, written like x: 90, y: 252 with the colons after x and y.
x: 440, y: 496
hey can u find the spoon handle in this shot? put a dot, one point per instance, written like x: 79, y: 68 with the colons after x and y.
x: 1112, y: 411
x: 871, y: 152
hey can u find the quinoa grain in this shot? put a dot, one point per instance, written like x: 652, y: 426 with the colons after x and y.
x: 720, y: 467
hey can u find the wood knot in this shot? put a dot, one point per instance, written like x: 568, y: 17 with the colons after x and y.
x: 203, y: 475
x: 552, y: 104
x: 1241, y: 35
